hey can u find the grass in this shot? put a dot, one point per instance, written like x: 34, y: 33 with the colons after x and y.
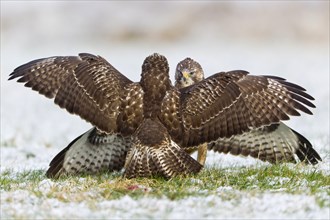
x: 111, y: 186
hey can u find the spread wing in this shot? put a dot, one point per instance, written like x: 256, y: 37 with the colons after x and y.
x: 85, y: 85
x: 274, y: 143
x: 228, y: 104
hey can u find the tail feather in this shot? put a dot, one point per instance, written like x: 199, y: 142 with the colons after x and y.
x: 154, y: 153
x: 175, y: 161
x: 306, y: 152
x: 140, y: 163
x: 168, y: 161
x: 56, y: 164
x: 275, y: 143
x: 91, y: 152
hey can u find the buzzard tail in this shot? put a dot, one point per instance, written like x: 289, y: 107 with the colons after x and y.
x: 154, y: 153
x: 274, y: 143
x: 91, y: 152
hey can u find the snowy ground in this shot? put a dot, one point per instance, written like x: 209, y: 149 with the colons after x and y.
x: 270, y: 205
x: 33, y: 129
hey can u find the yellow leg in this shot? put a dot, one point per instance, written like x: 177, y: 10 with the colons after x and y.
x: 201, y: 155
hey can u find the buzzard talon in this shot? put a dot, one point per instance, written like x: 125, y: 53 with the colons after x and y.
x: 230, y: 111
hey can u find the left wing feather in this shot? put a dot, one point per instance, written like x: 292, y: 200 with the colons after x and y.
x: 231, y: 103
x: 85, y: 85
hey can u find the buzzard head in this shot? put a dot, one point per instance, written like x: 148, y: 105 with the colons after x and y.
x: 188, y: 72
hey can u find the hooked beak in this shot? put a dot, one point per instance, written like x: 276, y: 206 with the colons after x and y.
x: 185, y: 75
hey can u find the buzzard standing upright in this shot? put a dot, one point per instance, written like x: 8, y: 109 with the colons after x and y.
x: 158, y: 120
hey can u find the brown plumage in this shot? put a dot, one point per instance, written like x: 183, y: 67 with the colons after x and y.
x: 187, y: 73
x: 274, y: 143
x: 91, y: 152
x: 125, y: 108
x: 219, y: 107
x: 86, y: 152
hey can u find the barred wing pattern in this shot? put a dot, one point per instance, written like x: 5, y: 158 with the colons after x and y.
x: 90, y: 153
x: 227, y: 108
x: 231, y: 103
x: 89, y: 86
x: 102, y: 151
x: 160, y: 121
x: 274, y: 143
x: 85, y: 85
x: 153, y: 152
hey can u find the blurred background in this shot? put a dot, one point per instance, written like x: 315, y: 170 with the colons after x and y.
x: 284, y: 38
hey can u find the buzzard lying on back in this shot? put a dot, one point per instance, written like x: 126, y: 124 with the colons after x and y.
x: 232, y: 111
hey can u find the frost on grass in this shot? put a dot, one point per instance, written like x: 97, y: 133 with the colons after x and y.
x: 235, y: 192
x: 229, y: 187
x: 229, y: 193
x: 34, y: 130
x: 23, y: 204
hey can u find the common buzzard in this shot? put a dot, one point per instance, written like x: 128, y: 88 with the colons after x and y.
x: 274, y: 143
x: 160, y: 120
x: 96, y: 151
